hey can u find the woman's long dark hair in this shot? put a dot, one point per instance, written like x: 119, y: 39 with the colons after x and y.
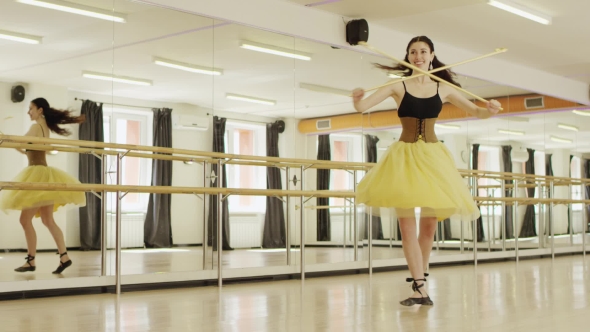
x: 446, y: 74
x: 55, y: 117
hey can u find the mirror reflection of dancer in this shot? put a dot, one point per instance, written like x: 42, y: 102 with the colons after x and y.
x: 418, y: 170
x: 43, y: 203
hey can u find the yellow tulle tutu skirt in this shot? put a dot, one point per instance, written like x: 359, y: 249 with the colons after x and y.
x: 424, y: 175
x: 26, y: 199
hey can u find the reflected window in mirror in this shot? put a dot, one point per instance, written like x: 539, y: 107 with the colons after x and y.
x: 125, y: 126
x: 246, y: 139
x: 489, y: 159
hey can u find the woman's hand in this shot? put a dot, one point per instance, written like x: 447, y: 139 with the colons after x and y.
x: 357, y: 95
x: 493, y: 106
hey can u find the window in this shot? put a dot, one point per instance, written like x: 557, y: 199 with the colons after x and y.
x: 489, y: 160
x: 124, y: 126
x: 246, y: 139
x: 345, y: 148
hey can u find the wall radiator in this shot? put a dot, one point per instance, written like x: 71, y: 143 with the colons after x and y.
x: 246, y: 230
x: 131, y: 230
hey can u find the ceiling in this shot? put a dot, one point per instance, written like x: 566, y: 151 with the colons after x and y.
x: 74, y: 43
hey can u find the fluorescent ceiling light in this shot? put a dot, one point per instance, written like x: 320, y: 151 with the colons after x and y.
x: 20, y: 37
x: 521, y: 10
x: 561, y: 140
x: 275, y: 50
x: 325, y: 89
x: 584, y: 113
x: 113, y: 78
x: 187, y: 67
x: 234, y: 96
x: 447, y: 126
x: 511, y: 132
x: 567, y: 127
x: 75, y: 8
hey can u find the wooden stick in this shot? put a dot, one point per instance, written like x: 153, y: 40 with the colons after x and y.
x: 401, y: 79
x: 436, y: 78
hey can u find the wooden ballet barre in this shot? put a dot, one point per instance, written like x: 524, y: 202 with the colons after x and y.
x: 173, y: 151
x: 89, y: 187
x: 7, y: 141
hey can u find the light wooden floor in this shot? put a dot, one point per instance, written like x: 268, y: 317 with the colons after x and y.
x: 534, y: 295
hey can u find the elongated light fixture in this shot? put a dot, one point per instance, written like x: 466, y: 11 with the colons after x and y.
x: 75, y: 8
x: 275, y: 50
x: 583, y: 113
x: 560, y: 140
x: 567, y: 127
x: 447, y: 126
x: 325, y: 89
x: 521, y: 10
x: 113, y: 78
x: 187, y: 67
x: 511, y: 132
x: 20, y: 37
x: 256, y: 100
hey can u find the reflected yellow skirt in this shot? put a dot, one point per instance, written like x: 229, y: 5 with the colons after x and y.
x: 26, y: 199
x: 422, y: 175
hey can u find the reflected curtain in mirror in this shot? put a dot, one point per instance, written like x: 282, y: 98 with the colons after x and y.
x: 274, y: 221
x: 323, y: 183
x: 528, y: 224
x: 586, y: 174
x: 507, y: 167
x: 377, y: 228
x: 218, y: 146
x: 90, y: 171
x: 474, y: 165
x: 548, y: 172
x: 158, y: 220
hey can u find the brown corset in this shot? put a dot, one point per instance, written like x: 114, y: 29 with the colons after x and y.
x: 36, y: 158
x: 414, y: 129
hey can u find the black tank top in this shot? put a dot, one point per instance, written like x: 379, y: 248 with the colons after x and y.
x: 420, y: 108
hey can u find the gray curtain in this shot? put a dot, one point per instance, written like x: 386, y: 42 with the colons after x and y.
x: 548, y: 172
x: 90, y: 171
x: 218, y: 146
x: 474, y: 165
x: 528, y: 228
x: 507, y: 161
x: 586, y: 174
x: 377, y: 229
x: 158, y: 220
x: 323, y: 183
x: 274, y: 220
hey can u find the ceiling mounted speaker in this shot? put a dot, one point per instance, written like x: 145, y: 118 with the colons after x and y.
x: 281, y: 126
x: 17, y: 94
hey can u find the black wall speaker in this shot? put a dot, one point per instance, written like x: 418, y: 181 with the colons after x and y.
x: 281, y: 125
x: 17, y: 94
x: 357, y: 31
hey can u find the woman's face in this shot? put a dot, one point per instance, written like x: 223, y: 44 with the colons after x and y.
x: 34, y: 112
x: 420, y: 55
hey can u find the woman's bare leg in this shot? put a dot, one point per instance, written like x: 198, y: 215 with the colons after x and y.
x: 58, y: 236
x: 426, y: 238
x: 412, y: 251
x: 26, y: 221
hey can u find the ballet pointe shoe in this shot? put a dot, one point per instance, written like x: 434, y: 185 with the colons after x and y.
x: 410, y: 301
x: 29, y: 268
x: 62, y: 265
